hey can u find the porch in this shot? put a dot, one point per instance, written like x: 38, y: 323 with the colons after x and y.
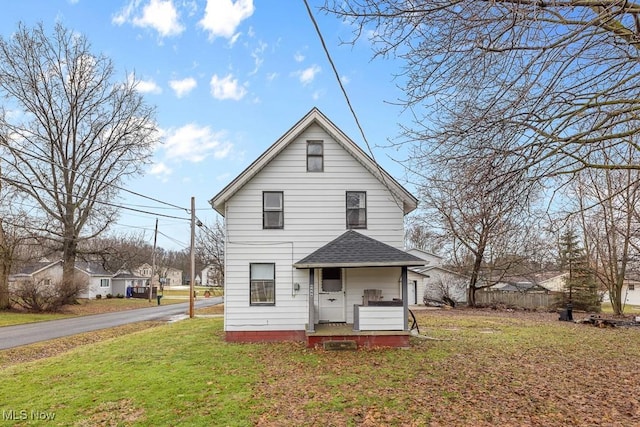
x: 326, y: 334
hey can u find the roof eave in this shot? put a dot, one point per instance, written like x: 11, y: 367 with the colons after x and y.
x: 356, y: 264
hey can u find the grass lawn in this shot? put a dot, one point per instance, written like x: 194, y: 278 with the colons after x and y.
x: 477, y: 368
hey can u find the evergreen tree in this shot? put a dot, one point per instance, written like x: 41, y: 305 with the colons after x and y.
x: 580, y: 285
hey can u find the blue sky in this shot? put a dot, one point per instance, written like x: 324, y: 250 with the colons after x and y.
x: 228, y: 78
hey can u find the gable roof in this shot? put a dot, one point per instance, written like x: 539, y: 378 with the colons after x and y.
x: 91, y: 268
x: 409, y: 202
x: 36, y: 267
x: 352, y: 249
x: 429, y: 268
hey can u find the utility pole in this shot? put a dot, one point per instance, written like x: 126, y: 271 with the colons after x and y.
x: 193, y: 256
x: 153, y: 261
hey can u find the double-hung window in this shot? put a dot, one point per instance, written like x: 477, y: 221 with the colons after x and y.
x: 315, y: 156
x: 273, y: 209
x: 104, y: 283
x: 262, y: 287
x: 356, y: 209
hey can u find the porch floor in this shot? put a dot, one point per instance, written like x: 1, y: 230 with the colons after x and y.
x: 344, y: 332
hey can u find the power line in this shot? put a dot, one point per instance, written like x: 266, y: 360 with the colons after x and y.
x: 16, y: 182
x: 346, y: 97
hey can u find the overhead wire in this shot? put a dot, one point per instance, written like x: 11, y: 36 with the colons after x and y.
x: 348, y: 101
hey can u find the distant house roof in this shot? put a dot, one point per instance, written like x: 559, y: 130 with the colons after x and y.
x: 519, y: 287
x: 127, y: 275
x: 430, y: 268
x: 409, y: 202
x: 352, y: 249
x: 92, y: 268
x: 35, y: 267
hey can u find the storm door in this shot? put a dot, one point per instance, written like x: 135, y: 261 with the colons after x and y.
x: 331, y: 304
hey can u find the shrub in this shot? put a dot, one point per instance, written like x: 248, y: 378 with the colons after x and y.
x: 44, y: 295
x: 119, y: 296
x: 109, y: 296
x: 99, y: 296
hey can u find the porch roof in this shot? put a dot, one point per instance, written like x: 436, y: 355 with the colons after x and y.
x: 353, y: 249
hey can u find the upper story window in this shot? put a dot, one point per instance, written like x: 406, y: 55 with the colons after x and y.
x: 315, y: 156
x: 356, y: 209
x: 272, y: 209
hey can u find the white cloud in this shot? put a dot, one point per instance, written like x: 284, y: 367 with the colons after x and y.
x: 345, y: 79
x: 222, y: 17
x: 183, y: 87
x: 148, y: 86
x: 161, y: 15
x: 272, y: 76
x: 161, y: 170
x: 298, y: 57
x: 193, y: 143
x: 257, y: 56
x: 226, y: 88
x: 307, y: 75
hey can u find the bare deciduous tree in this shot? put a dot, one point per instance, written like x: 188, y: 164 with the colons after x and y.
x: 561, y: 76
x: 481, y: 207
x: 210, y: 240
x: 609, y: 215
x: 70, y: 133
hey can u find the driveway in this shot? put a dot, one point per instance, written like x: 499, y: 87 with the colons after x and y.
x: 14, y: 336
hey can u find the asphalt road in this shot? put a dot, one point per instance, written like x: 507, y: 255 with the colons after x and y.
x: 14, y: 336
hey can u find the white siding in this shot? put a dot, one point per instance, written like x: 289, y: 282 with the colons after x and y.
x: 314, y: 214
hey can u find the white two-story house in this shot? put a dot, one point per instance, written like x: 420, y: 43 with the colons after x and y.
x: 314, y: 238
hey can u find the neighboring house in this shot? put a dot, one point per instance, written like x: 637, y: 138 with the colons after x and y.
x: 518, y: 285
x: 429, y: 258
x: 433, y: 282
x: 441, y: 282
x: 212, y: 276
x: 168, y: 276
x: 314, y: 231
x: 124, y: 279
x: 630, y: 292
x: 553, y: 281
x: 97, y: 278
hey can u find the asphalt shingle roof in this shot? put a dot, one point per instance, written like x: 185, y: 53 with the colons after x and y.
x: 353, y: 249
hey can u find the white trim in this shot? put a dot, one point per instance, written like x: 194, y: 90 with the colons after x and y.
x: 409, y: 202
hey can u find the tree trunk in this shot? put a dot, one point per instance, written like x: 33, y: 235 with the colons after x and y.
x: 5, y: 266
x: 69, y: 259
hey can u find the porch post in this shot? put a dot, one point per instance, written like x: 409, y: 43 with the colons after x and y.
x: 312, y: 314
x: 405, y: 299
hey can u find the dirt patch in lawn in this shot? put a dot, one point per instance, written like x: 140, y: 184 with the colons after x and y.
x: 532, y: 370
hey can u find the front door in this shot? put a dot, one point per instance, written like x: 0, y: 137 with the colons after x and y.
x: 331, y: 303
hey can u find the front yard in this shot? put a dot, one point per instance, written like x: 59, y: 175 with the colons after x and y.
x: 476, y: 368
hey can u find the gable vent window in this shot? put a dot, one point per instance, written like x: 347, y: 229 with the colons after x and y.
x: 315, y: 156
x: 356, y: 209
x: 272, y: 209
